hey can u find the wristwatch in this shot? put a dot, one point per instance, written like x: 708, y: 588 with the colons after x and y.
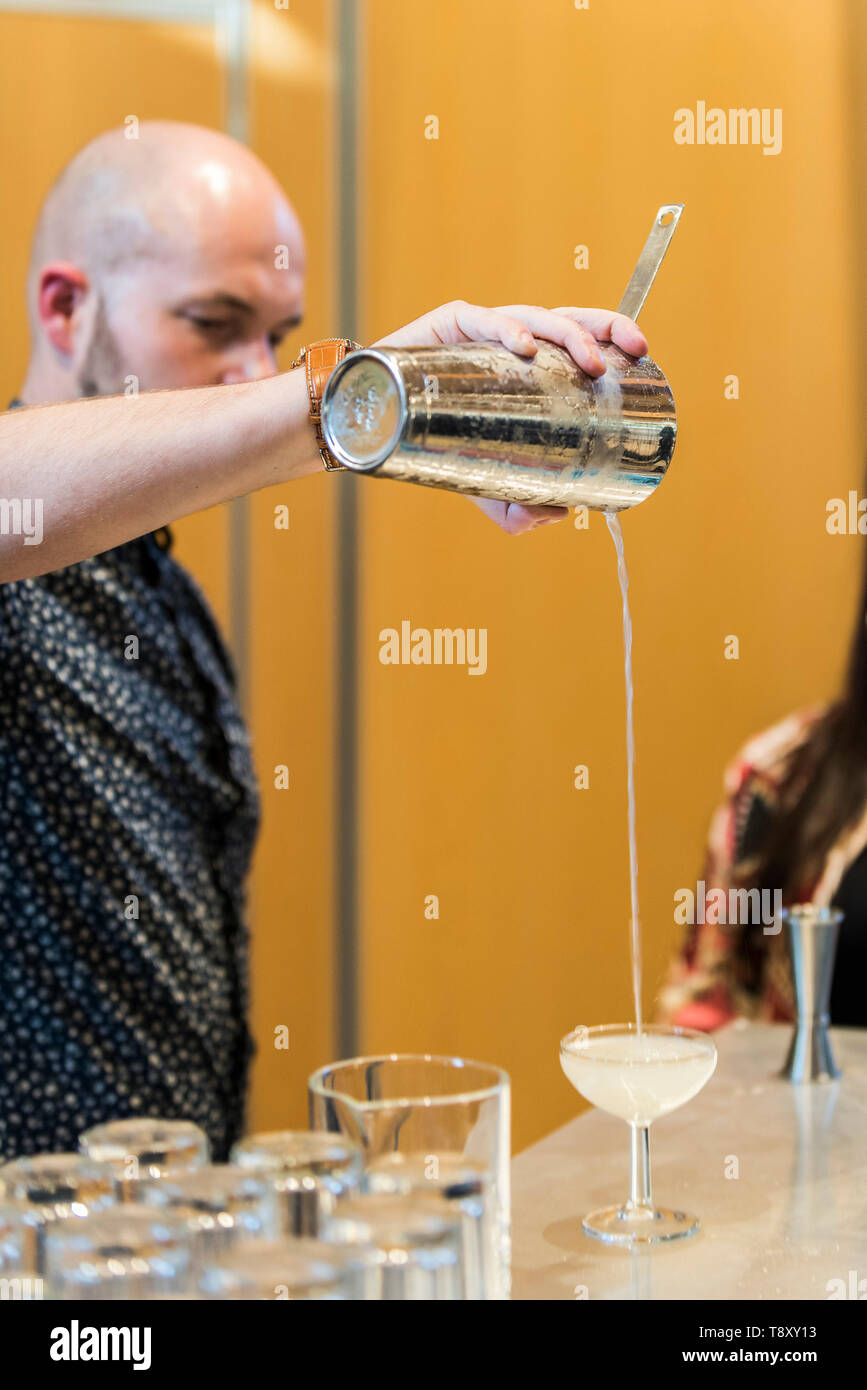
x: 319, y: 360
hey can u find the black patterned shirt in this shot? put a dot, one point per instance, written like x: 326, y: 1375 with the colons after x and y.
x: 128, y: 812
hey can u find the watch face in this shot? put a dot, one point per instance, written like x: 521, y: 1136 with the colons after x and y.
x: 362, y: 413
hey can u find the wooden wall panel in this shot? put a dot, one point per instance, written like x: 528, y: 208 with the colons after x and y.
x: 292, y: 608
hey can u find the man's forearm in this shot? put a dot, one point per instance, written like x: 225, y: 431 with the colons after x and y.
x: 105, y: 471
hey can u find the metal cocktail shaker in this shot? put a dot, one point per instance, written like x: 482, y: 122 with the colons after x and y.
x: 812, y: 933
x: 476, y: 418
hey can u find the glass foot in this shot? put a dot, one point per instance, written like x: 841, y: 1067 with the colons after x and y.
x: 628, y: 1225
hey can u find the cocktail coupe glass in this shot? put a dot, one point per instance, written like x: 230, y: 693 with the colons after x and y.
x: 638, y: 1075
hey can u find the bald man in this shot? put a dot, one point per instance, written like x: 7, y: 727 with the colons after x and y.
x: 129, y: 807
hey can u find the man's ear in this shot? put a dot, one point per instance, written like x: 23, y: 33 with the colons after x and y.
x: 62, y: 291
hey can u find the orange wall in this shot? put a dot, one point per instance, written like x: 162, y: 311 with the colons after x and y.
x: 291, y: 603
x: 556, y: 128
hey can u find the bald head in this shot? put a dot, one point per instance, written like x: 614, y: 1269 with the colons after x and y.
x: 159, y: 219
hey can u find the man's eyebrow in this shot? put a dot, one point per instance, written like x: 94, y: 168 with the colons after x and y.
x: 221, y: 300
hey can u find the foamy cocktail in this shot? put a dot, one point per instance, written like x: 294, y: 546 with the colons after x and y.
x: 638, y: 1074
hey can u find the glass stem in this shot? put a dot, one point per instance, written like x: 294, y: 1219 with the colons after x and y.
x: 639, y: 1172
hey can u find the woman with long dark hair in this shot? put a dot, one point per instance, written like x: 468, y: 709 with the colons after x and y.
x: 794, y: 821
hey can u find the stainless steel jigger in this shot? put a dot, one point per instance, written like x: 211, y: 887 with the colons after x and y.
x: 812, y: 934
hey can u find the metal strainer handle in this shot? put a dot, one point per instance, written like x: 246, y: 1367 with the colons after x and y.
x: 650, y: 259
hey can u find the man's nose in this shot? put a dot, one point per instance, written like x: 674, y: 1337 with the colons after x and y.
x: 251, y: 363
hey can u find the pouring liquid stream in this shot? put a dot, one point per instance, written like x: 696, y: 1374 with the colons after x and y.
x: 614, y: 526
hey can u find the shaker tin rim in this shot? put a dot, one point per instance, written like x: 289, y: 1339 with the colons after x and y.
x: 334, y: 447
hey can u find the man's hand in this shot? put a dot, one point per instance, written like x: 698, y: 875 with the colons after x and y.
x: 517, y: 326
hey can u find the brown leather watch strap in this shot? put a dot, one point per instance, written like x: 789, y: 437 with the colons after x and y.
x: 319, y: 360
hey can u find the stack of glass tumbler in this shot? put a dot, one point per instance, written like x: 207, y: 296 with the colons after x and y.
x: 400, y: 1190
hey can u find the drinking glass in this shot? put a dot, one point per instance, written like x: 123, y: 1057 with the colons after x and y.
x: 415, y: 1243
x: 289, y: 1270
x: 428, y: 1106
x: 131, y: 1251
x: 638, y: 1075
x: 14, y: 1234
x: 469, y: 1190
x: 19, y: 1232
x: 55, y: 1188
x: 142, y: 1149
x: 221, y: 1205
x: 309, y: 1170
